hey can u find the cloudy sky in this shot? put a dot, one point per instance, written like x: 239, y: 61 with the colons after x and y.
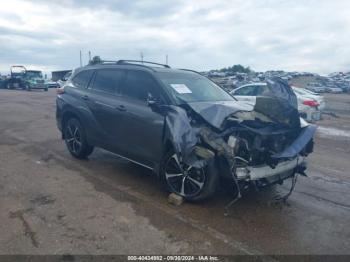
x: 300, y: 35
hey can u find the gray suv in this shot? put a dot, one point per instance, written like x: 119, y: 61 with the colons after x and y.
x: 184, y: 127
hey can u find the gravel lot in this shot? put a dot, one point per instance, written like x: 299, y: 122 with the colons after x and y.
x: 51, y: 203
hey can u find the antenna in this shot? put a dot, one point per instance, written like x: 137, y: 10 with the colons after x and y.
x: 141, y: 54
x: 81, y: 60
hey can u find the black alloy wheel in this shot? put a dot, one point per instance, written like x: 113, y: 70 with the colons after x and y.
x: 184, y: 180
x: 75, y: 139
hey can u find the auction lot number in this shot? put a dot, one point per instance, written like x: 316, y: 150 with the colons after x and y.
x: 173, y: 258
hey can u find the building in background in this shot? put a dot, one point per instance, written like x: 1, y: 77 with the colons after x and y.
x: 57, y: 75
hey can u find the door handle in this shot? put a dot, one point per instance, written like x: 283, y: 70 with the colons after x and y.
x: 85, y: 97
x: 121, y: 108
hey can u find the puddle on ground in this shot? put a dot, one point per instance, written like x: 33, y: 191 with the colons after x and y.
x: 332, y: 132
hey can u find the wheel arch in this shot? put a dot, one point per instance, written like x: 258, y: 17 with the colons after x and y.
x: 167, y: 145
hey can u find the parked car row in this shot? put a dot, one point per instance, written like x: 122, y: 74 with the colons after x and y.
x: 319, y: 88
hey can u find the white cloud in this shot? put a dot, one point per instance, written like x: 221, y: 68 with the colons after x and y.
x: 272, y: 34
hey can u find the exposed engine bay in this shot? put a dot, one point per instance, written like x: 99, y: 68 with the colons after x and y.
x: 258, y: 144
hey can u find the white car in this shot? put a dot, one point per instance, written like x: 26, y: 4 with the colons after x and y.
x: 305, y: 94
x: 315, y: 87
x: 309, y: 103
x: 335, y: 90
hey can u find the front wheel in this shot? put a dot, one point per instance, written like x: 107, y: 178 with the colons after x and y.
x: 75, y: 138
x: 194, y: 184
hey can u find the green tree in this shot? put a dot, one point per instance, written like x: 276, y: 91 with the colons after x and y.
x: 235, y: 69
x: 95, y: 60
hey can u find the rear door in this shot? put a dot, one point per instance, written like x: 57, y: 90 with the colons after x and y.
x: 142, y: 127
x: 77, y: 90
x: 103, y: 99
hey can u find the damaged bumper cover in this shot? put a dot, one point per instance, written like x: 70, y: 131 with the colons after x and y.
x: 306, y: 135
x: 290, y: 161
x: 258, y: 172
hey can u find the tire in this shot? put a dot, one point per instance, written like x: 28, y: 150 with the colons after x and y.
x: 27, y: 87
x: 75, y: 138
x: 46, y: 89
x: 205, y: 184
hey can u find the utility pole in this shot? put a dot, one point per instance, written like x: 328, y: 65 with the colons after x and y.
x: 81, y: 60
x: 141, y: 54
x: 89, y: 57
x: 166, y: 59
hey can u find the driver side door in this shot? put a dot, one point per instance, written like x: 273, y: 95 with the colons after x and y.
x: 142, y: 126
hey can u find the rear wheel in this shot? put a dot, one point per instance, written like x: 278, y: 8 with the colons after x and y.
x: 75, y: 138
x: 194, y: 184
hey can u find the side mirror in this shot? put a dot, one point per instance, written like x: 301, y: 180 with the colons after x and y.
x: 153, y: 103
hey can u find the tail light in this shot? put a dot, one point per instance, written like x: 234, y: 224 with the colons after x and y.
x: 311, y: 103
x: 60, y: 91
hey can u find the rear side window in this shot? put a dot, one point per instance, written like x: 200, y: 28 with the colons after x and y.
x: 138, y: 85
x: 108, y: 80
x: 82, y: 79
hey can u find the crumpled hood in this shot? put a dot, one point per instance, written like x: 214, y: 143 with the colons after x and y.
x: 215, y: 113
x: 279, y: 104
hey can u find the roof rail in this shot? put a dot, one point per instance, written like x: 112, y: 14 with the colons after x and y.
x: 139, y: 63
x: 108, y: 62
x: 189, y: 70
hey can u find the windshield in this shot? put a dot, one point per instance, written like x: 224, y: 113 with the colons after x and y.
x: 34, y: 74
x: 17, y: 70
x: 191, y: 87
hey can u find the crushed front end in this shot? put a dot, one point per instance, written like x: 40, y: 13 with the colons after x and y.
x: 257, y: 153
x: 253, y: 145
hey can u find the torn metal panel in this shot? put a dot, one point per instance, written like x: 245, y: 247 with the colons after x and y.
x: 279, y: 103
x: 280, y: 88
x: 278, y: 110
x: 299, y: 144
x: 215, y: 113
x: 182, y: 134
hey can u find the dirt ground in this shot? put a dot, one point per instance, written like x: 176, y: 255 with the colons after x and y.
x: 51, y: 203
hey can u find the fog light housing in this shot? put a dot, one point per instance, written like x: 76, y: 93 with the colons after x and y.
x: 242, y: 173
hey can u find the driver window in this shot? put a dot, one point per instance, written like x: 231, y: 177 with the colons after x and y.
x: 139, y: 85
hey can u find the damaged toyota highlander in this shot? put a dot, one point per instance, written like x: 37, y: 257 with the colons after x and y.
x: 184, y: 127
